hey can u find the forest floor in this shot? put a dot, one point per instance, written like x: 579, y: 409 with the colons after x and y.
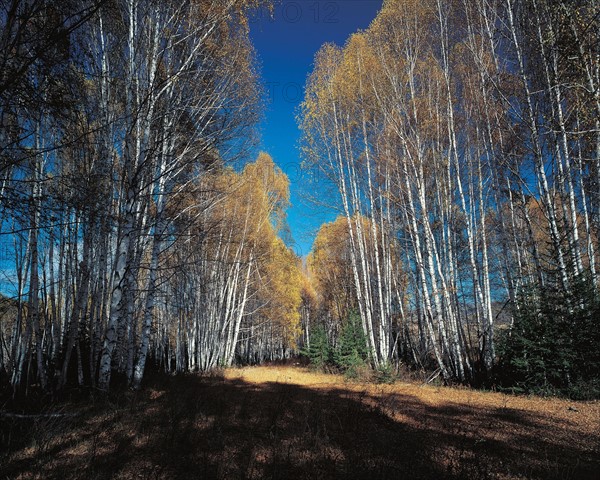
x: 291, y: 423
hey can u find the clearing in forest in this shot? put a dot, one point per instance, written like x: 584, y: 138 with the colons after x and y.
x: 284, y: 422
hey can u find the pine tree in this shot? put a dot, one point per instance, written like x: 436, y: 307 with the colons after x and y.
x: 553, y: 346
x: 319, y: 351
x: 351, y: 352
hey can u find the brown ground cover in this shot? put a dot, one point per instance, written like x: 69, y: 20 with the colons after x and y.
x: 285, y: 422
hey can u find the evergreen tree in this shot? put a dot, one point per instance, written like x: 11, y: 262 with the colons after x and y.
x: 318, y: 351
x: 351, y: 350
x: 553, y: 346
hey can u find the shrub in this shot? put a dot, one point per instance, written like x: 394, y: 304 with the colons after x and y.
x: 385, y: 373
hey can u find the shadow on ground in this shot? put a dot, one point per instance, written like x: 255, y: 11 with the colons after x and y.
x: 192, y: 427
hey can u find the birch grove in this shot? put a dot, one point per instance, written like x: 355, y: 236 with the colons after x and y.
x: 126, y: 236
x: 139, y: 228
x: 456, y: 129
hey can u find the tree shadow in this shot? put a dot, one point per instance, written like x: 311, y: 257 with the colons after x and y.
x: 209, y: 427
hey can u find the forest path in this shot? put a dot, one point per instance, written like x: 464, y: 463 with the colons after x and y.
x: 288, y: 422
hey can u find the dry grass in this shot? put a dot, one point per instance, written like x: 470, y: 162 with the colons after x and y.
x: 282, y: 422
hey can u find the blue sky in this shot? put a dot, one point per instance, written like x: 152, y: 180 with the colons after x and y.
x: 286, y: 45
